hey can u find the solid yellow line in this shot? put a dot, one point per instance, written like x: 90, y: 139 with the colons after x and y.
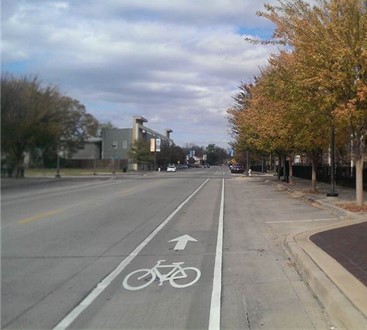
x: 131, y: 190
x: 39, y: 216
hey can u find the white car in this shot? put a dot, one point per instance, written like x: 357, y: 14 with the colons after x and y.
x: 171, y: 168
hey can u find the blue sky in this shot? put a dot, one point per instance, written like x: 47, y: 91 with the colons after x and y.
x: 177, y: 63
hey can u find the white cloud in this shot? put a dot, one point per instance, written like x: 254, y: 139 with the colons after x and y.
x: 174, y: 62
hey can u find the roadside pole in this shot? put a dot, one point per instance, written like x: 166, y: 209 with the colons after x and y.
x: 332, y: 193
x: 58, y: 164
x: 155, y: 160
x: 155, y: 146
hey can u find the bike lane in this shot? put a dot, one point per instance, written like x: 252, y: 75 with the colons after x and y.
x: 180, y: 299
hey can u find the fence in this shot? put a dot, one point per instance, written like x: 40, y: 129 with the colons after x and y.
x: 344, y: 175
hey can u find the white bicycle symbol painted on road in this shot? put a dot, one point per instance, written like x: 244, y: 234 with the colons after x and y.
x: 178, y: 277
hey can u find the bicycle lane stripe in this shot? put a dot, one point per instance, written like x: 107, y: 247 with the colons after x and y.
x: 101, y: 286
x: 215, y: 305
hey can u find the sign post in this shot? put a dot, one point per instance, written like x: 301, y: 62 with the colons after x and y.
x: 155, y: 146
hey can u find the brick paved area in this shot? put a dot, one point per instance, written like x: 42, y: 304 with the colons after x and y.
x: 347, y: 245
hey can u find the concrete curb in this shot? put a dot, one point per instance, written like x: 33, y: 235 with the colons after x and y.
x: 325, y: 203
x: 349, y: 214
x: 342, y: 295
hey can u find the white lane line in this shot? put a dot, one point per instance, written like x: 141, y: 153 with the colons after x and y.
x: 101, y: 286
x: 305, y: 220
x: 214, y: 319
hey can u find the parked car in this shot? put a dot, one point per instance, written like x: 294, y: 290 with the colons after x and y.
x: 237, y: 168
x: 171, y: 168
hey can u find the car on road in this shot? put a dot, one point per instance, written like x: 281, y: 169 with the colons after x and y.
x: 171, y: 168
x: 237, y: 168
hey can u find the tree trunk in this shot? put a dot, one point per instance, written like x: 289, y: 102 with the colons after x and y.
x: 18, y: 166
x: 359, y: 154
x: 286, y: 169
x: 359, y: 181
x: 290, y: 169
x: 279, y: 165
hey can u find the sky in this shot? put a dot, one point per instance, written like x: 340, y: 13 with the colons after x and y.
x: 178, y: 63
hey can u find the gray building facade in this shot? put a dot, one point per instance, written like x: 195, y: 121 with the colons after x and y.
x: 115, y: 144
x: 89, y: 149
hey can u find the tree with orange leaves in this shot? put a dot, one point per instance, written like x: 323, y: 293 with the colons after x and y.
x: 302, y: 109
x: 279, y: 114
x: 257, y: 119
x: 329, y: 43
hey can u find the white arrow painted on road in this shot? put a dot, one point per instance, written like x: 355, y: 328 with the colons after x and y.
x: 182, y: 241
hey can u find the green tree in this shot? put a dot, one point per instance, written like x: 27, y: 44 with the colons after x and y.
x: 199, y: 151
x: 106, y: 125
x: 140, y: 153
x: 177, y: 155
x: 39, y: 118
x: 75, y: 123
x: 216, y: 155
x: 170, y: 154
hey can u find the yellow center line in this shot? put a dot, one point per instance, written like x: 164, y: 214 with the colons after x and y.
x: 131, y: 190
x: 39, y: 216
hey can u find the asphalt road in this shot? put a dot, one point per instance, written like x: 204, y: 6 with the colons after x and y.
x: 72, y: 250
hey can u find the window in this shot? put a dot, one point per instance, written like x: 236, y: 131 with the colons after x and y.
x: 81, y: 146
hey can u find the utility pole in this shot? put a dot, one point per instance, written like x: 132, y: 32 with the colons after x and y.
x: 332, y: 193
x: 58, y: 163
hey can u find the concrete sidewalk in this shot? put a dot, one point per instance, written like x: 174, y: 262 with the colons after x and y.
x: 333, y: 259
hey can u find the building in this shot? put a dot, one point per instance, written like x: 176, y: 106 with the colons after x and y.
x: 89, y: 149
x: 115, y: 143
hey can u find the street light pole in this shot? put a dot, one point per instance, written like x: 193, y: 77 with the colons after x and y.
x: 58, y: 163
x: 332, y: 193
x: 94, y: 160
x: 155, y: 159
